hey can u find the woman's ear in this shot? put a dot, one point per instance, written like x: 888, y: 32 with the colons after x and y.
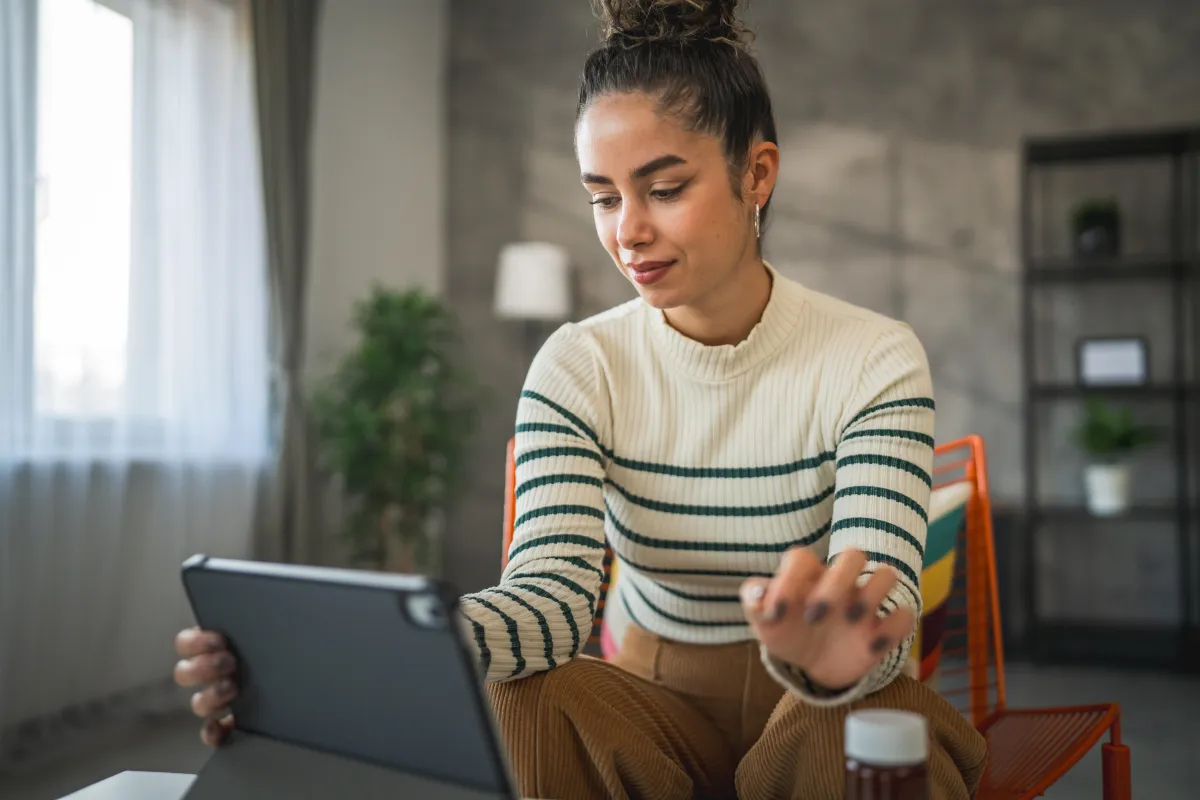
x: 762, y: 172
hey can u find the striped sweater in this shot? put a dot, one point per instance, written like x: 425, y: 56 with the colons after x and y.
x: 701, y: 465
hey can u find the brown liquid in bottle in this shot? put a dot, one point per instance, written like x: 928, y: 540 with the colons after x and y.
x: 886, y: 752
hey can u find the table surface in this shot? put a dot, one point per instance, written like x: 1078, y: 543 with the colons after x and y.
x: 137, y: 786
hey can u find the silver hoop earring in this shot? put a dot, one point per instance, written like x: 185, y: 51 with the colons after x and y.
x: 757, y: 235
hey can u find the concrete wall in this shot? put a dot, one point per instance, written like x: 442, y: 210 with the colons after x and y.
x: 378, y: 159
x: 900, y: 125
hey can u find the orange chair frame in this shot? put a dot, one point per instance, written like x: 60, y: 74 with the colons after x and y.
x: 1028, y: 749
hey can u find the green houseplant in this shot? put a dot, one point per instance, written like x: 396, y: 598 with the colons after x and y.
x: 1108, y: 436
x: 392, y: 423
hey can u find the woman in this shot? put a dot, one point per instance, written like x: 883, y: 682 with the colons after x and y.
x: 730, y: 432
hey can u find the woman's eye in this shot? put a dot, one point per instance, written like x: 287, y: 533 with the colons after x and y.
x: 605, y: 202
x: 666, y: 194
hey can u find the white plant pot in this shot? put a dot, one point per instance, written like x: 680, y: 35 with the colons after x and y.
x: 1107, y: 488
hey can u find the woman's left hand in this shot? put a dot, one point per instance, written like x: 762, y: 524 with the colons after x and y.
x: 818, y: 619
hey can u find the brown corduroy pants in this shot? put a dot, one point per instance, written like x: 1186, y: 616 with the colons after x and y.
x: 671, y: 720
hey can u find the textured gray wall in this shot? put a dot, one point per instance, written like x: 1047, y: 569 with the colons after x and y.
x: 899, y: 127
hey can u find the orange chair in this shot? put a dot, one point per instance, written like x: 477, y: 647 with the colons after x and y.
x: 1028, y: 749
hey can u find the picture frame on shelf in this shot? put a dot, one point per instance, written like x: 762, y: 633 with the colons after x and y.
x: 1112, y: 361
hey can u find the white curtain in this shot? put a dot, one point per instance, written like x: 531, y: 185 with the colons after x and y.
x: 133, y: 336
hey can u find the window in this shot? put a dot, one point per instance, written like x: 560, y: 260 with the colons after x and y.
x: 84, y: 211
x: 133, y: 299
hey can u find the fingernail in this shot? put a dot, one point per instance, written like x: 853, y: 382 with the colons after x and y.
x: 816, y: 612
x: 881, y: 644
x: 776, y: 612
x: 855, y: 611
x: 755, y: 594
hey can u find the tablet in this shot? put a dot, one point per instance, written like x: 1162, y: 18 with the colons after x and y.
x: 362, y: 665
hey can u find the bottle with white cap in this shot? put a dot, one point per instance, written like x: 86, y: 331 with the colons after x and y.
x: 886, y: 753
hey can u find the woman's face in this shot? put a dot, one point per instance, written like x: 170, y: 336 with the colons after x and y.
x: 662, y: 200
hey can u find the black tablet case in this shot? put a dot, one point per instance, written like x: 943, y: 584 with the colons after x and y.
x: 341, y: 692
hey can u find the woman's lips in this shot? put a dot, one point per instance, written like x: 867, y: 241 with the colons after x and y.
x: 648, y: 272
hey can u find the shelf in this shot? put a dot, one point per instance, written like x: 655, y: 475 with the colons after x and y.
x: 1150, y: 646
x: 1083, y: 270
x: 1166, y: 142
x: 1060, y: 391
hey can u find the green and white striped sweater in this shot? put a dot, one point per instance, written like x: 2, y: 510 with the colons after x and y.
x: 701, y: 465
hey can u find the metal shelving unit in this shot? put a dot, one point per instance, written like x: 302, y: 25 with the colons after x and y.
x: 1177, y: 271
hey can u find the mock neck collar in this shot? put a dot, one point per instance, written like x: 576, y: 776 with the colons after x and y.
x: 715, y: 363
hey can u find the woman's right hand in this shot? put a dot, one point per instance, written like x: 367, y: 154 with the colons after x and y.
x: 207, y: 665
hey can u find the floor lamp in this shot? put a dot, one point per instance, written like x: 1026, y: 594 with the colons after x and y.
x: 533, y: 286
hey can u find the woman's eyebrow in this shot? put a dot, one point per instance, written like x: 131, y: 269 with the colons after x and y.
x: 649, y: 168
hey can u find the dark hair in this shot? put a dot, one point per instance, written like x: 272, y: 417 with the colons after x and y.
x: 692, y: 54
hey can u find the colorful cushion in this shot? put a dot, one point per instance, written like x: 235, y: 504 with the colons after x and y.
x: 947, y: 515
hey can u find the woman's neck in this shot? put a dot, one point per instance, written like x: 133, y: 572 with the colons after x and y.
x: 728, y: 313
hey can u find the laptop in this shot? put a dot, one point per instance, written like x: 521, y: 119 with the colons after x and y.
x: 351, y: 684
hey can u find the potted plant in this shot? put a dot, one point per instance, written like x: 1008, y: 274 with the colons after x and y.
x: 392, y: 424
x: 1109, y: 435
x: 1096, y: 228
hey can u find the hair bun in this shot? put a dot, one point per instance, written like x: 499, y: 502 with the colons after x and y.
x: 636, y: 21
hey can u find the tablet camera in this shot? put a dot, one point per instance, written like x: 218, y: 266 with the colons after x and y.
x: 426, y: 611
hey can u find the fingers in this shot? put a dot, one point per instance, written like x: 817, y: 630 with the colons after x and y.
x: 753, y: 592
x: 215, y: 729
x: 192, y: 642
x: 835, y: 587
x: 204, y: 669
x: 870, y: 595
x: 208, y: 702
x: 800, y: 570
x: 891, y: 630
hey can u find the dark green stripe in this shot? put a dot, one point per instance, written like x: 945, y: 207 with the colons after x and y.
x: 554, y: 511
x: 582, y: 564
x: 703, y: 598
x: 714, y: 547
x: 547, y: 427
x: 629, y: 611
x: 485, y: 655
x: 870, y: 523
x: 567, y: 415
x: 549, y: 480
x: 887, y: 494
x: 902, y: 567
x: 722, y: 472
x: 915, y: 402
x: 514, y: 635
x: 723, y: 511
x: 892, y: 433
x: 886, y: 461
x: 684, y: 620
x: 566, y: 610
x: 552, y: 452
x: 706, y: 573
x: 557, y: 538
x: 567, y: 582
x: 541, y: 618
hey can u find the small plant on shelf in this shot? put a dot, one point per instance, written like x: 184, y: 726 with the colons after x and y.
x: 392, y: 423
x: 1096, y: 228
x: 1109, y: 435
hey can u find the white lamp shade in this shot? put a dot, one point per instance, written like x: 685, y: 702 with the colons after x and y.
x: 533, y: 282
